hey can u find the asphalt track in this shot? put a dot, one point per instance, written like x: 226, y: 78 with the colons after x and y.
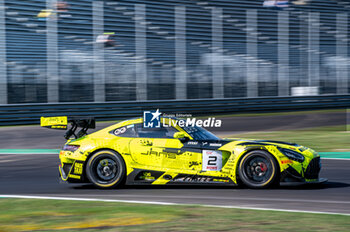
x: 37, y: 174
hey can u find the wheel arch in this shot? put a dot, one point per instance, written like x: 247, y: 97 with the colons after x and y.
x: 255, y: 148
x: 95, y: 151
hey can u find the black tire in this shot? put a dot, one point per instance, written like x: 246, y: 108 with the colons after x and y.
x: 258, y: 169
x: 106, y: 169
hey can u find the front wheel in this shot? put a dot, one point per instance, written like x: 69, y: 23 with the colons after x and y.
x: 106, y: 169
x: 258, y: 169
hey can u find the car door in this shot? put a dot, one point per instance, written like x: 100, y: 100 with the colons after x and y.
x: 155, y: 148
x: 206, y: 157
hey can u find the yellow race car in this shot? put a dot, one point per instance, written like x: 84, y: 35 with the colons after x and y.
x: 128, y: 153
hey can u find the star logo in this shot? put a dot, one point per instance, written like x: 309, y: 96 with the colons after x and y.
x: 156, y: 115
x: 151, y: 119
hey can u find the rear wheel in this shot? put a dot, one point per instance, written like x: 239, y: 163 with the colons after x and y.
x: 258, y: 169
x: 106, y: 169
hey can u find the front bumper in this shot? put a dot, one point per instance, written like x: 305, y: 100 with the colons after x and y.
x: 312, y: 182
x: 318, y: 181
x: 305, y: 175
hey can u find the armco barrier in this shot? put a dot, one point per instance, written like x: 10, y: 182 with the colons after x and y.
x: 22, y: 114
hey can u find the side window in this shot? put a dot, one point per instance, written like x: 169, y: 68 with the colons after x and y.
x: 125, y: 131
x: 163, y: 132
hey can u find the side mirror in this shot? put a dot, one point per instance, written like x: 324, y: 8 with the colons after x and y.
x: 181, y: 136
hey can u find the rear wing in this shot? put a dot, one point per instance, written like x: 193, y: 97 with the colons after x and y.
x: 62, y: 123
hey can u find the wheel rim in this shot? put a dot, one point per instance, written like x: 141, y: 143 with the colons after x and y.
x: 105, y: 170
x: 258, y: 169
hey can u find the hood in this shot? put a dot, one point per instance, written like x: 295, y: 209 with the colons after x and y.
x: 307, y: 152
x: 267, y: 142
x: 292, y: 146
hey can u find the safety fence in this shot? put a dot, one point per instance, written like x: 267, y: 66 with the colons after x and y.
x: 85, y: 51
x: 25, y: 114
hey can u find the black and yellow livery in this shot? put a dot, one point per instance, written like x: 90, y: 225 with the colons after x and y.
x: 129, y: 153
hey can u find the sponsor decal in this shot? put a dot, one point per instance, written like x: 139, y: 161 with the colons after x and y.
x: 146, y: 142
x: 192, y: 143
x: 199, y: 179
x: 215, y: 144
x: 286, y: 161
x: 193, y: 163
x: 147, y: 176
x: 74, y: 176
x: 78, y: 168
x: 193, y: 179
x: 120, y: 131
x: 212, y: 160
x: 169, y: 155
x: 59, y: 127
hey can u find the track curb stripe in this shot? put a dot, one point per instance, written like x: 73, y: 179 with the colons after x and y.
x: 167, y: 203
x: 29, y: 151
x: 335, y: 155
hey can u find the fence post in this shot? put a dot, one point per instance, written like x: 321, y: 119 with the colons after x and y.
x: 252, y: 52
x: 140, y: 45
x: 3, y: 60
x: 217, y: 45
x: 52, y: 72
x: 283, y: 53
x: 313, y: 49
x: 99, y: 54
x: 342, y: 53
x: 180, y: 53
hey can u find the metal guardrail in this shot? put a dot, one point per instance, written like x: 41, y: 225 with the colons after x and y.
x: 24, y: 114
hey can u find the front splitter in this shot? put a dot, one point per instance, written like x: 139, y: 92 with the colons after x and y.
x: 319, y: 181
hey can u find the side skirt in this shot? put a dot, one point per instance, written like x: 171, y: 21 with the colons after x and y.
x: 150, y: 177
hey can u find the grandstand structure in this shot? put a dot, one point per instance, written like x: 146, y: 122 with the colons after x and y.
x: 85, y: 51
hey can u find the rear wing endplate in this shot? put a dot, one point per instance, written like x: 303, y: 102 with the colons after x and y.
x: 58, y: 123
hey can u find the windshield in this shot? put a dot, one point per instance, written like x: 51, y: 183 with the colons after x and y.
x: 199, y: 133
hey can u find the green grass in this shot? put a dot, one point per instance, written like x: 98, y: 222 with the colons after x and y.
x: 54, y: 215
x: 322, y: 139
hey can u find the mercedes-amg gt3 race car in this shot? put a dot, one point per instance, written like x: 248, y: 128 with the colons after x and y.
x: 128, y: 153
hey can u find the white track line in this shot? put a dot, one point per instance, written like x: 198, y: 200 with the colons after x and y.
x: 166, y: 203
x: 223, y: 198
x: 84, y: 199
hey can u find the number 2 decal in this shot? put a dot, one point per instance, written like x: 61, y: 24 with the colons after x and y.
x: 212, y: 160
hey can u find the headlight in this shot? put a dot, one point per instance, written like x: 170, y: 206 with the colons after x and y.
x: 293, y: 155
